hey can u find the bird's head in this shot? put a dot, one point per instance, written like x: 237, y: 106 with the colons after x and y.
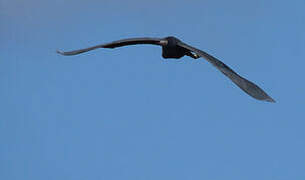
x: 172, y: 41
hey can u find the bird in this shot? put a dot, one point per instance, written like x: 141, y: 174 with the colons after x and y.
x: 174, y: 48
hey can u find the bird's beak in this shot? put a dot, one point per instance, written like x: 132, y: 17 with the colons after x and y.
x: 163, y: 42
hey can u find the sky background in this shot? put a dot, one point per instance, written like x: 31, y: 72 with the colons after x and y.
x: 128, y: 114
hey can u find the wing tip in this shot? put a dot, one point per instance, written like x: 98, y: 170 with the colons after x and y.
x: 71, y: 53
x: 269, y: 99
x: 61, y: 52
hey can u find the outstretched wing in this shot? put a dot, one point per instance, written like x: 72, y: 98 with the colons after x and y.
x: 119, y: 43
x: 246, y: 85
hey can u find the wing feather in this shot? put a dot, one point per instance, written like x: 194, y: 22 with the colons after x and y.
x: 115, y: 44
x: 244, y: 84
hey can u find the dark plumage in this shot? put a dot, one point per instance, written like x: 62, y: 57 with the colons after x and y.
x: 174, y: 48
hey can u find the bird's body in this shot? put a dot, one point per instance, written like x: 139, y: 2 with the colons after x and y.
x: 172, y: 50
x: 172, y: 47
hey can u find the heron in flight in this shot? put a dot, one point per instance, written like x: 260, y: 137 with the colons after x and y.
x: 172, y: 47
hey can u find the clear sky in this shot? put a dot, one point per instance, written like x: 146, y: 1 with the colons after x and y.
x: 128, y: 114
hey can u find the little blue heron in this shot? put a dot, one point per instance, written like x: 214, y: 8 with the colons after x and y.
x: 172, y: 47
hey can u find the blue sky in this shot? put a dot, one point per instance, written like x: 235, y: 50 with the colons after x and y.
x: 129, y: 114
